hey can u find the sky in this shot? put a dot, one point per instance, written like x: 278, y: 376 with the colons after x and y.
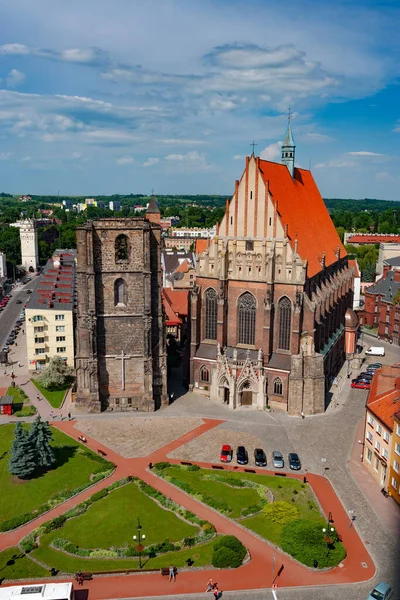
x: 125, y: 96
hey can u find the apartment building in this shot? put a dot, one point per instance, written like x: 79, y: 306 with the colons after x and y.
x: 50, y: 313
x: 394, y: 473
x: 382, y: 405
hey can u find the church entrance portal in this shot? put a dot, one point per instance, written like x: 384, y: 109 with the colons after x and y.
x: 226, y: 395
x: 247, y: 398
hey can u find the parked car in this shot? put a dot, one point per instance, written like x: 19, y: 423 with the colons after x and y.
x: 29, y: 291
x: 374, y: 366
x: 294, y: 461
x: 18, y: 301
x: 260, y: 457
x: 12, y: 334
x: 382, y: 591
x: 277, y: 460
x: 365, y: 375
x: 226, y: 453
x: 375, y: 351
x: 242, y: 457
x: 5, y: 347
x: 360, y: 385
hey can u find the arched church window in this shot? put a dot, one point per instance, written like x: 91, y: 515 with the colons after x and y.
x: 211, y: 314
x: 121, y: 248
x: 246, y: 319
x: 278, y: 386
x: 204, y: 375
x: 285, y: 322
x: 120, y: 292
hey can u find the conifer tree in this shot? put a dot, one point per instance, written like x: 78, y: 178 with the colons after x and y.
x: 22, y: 462
x: 41, y: 436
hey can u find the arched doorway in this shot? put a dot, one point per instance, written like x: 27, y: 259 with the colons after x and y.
x: 246, y: 394
x: 224, y: 393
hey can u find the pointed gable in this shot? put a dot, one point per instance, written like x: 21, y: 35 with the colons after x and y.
x: 302, y: 210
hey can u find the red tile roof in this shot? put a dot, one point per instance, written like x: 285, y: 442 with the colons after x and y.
x: 302, y: 210
x: 183, y: 267
x: 384, y: 395
x: 178, y: 300
x: 376, y: 238
x: 202, y: 245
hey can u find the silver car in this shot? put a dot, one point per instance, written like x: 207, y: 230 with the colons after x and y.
x: 277, y: 460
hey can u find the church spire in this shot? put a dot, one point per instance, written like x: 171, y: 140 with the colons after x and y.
x: 288, y: 148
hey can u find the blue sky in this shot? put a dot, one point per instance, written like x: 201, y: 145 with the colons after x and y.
x: 124, y: 96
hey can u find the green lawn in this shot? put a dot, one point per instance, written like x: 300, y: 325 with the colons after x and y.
x: 53, y: 398
x: 73, y: 469
x: 22, y: 402
x: 112, y: 521
x: 16, y: 565
x: 291, y: 491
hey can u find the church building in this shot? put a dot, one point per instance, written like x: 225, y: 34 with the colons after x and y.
x: 121, y: 355
x: 272, y: 290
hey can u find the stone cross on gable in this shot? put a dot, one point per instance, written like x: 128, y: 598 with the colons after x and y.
x: 123, y: 358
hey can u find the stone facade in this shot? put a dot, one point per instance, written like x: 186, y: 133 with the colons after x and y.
x: 295, y: 278
x: 121, y: 357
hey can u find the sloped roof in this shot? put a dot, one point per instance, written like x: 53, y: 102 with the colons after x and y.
x: 386, y: 287
x: 152, y: 207
x: 172, y: 318
x: 178, y: 300
x: 354, y: 265
x: 373, y: 238
x: 183, y: 267
x: 393, y: 262
x: 201, y: 245
x: 384, y: 395
x: 302, y: 209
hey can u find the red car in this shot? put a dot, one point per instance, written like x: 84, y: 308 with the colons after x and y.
x: 361, y: 385
x: 226, y: 454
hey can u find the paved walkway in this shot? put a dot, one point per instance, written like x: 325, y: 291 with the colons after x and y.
x: 256, y: 574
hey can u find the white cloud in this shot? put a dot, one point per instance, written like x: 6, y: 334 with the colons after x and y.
x: 271, y: 152
x: 319, y: 137
x: 336, y: 164
x: 182, y: 142
x: 364, y: 153
x: 76, y: 155
x: 15, y: 78
x: 5, y: 155
x: 125, y: 160
x: 84, y: 56
x: 26, y: 158
x: 192, y: 161
x: 151, y: 161
x: 238, y: 157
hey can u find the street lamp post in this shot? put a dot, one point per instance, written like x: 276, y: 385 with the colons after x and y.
x: 328, y: 531
x: 139, y: 537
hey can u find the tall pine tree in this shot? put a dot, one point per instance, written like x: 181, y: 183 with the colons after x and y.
x: 41, y: 436
x: 22, y: 463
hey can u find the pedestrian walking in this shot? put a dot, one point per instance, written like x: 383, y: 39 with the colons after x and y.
x: 69, y: 416
x: 51, y: 414
x: 19, y: 364
x: 172, y: 573
x: 210, y: 586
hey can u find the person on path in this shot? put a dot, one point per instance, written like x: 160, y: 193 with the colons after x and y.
x: 172, y: 573
x: 19, y: 364
x: 51, y: 414
x: 217, y: 593
x: 80, y: 577
x: 210, y: 586
x: 69, y: 416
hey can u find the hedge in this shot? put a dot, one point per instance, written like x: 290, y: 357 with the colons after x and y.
x: 229, y: 552
x: 281, y: 512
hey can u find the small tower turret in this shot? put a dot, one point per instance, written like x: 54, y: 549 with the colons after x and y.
x: 153, y: 212
x: 288, y: 149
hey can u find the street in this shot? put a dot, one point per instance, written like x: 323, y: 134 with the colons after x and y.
x: 9, y: 315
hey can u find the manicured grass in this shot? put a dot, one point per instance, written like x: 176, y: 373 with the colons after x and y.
x: 53, y: 398
x: 73, y: 469
x: 288, y: 490
x: 112, y: 521
x: 201, y: 555
x: 14, y: 564
x: 26, y: 410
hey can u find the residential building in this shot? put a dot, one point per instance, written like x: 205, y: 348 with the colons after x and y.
x: 114, y: 205
x: 121, y: 353
x: 382, y: 405
x: 393, y: 483
x: 168, y: 222
x: 176, y: 303
x: 193, y: 232
x: 271, y: 294
x: 360, y: 239
x: 386, y: 251
x: 382, y: 303
x: 49, y: 314
x: 178, y: 268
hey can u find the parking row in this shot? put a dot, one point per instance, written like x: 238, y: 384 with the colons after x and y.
x: 260, y: 457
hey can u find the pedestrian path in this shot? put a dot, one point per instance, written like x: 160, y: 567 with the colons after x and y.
x: 265, y: 561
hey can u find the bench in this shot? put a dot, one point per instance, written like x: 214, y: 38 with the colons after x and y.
x: 165, y: 571
x: 101, y: 452
x: 85, y: 576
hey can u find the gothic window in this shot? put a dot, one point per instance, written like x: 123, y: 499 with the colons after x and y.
x: 204, y: 375
x: 119, y: 292
x: 121, y: 248
x: 278, y: 386
x: 285, y: 321
x: 211, y: 314
x: 246, y: 319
